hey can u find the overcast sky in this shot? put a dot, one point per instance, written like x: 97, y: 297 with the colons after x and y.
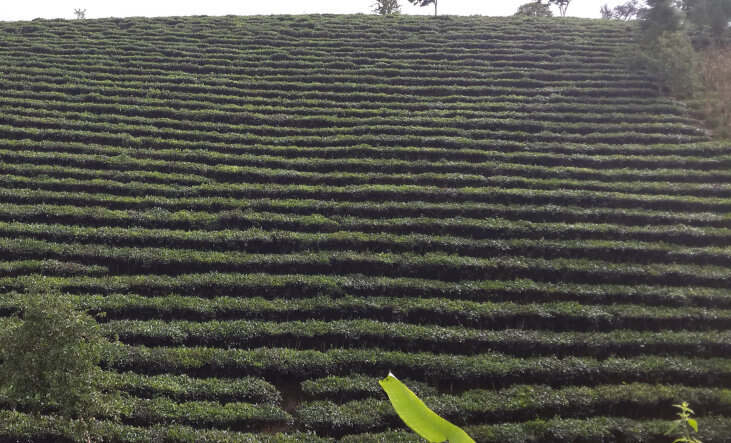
x: 30, y: 9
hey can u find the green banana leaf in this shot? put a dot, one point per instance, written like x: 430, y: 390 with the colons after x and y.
x: 418, y: 416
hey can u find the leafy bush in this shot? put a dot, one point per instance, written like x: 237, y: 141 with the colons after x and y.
x: 670, y: 33
x: 672, y: 61
x: 684, y: 424
x: 535, y: 9
x: 708, y: 22
x: 714, y: 102
x: 50, y: 360
x: 659, y: 17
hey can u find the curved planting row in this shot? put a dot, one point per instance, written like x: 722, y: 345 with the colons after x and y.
x: 440, y: 266
x: 33, y: 163
x: 233, y: 104
x: 110, y: 189
x: 474, y: 128
x: 195, y: 213
x: 516, y: 404
x: 571, y: 162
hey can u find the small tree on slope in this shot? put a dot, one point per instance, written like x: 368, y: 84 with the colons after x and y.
x: 425, y: 3
x: 386, y: 7
x: 50, y: 358
x: 563, y: 5
x: 534, y: 9
x: 625, y: 12
x: 659, y: 17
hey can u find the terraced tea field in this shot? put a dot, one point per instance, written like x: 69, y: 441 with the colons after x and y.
x: 276, y: 211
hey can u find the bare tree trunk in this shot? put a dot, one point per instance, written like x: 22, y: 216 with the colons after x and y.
x: 564, y: 7
x: 435, y: 8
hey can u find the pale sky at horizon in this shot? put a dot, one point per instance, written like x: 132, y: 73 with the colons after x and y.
x: 30, y: 9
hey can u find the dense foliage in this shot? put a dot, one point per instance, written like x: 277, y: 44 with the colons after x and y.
x: 386, y: 7
x: 684, y: 47
x: 535, y: 9
x: 624, y: 11
x: 49, y: 359
x: 276, y: 211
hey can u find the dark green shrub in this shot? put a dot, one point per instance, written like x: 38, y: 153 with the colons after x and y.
x: 659, y: 17
x: 671, y: 60
x: 50, y: 359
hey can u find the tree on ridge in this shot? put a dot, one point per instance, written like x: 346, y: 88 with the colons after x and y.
x: 425, y: 3
x: 386, y: 7
x: 49, y: 360
x: 563, y: 5
x: 535, y: 9
x: 625, y: 12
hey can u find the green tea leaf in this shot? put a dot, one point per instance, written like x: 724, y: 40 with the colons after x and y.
x: 693, y: 424
x: 673, y: 427
x: 418, y: 416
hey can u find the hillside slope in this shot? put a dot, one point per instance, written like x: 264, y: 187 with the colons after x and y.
x: 276, y: 211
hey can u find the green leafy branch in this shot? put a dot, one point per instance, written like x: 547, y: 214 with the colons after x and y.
x: 684, y: 425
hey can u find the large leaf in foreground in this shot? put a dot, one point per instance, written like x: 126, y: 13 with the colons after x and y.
x: 418, y: 416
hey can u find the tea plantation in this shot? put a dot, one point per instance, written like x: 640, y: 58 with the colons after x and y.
x: 273, y: 212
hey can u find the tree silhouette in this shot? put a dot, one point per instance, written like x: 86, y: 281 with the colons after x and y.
x: 563, y: 5
x: 425, y: 3
x: 625, y: 12
x: 535, y: 9
x: 50, y: 357
x: 386, y: 7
